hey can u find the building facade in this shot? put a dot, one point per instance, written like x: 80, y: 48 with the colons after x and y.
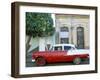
x: 73, y: 29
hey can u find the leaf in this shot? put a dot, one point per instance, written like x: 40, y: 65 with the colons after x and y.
x: 39, y: 24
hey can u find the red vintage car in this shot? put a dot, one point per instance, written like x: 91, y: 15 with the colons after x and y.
x: 60, y: 53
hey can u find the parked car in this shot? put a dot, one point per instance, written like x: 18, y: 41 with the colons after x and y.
x: 60, y: 53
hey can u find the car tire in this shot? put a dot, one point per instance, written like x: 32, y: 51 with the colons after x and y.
x: 40, y: 61
x: 77, y: 60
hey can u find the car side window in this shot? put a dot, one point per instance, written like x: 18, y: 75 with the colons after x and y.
x: 66, y: 48
x: 58, y: 48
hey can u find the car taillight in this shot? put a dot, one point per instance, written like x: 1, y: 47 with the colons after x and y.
x: 88, y: 56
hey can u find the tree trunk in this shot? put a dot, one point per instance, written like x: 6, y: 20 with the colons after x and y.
x: 27, y: 44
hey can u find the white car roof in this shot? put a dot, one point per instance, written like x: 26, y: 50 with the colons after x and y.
x: 72, y: 45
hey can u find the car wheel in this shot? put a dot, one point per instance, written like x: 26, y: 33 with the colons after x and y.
x: 77, y: 60
x: 40, y: 61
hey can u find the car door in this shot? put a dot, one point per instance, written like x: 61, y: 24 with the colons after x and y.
x: 67, y: 57
x: 57, y: 54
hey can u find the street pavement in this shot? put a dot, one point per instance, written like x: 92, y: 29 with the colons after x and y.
x: 32, y: 64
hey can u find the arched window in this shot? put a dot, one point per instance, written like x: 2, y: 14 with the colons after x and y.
x: 80, y: 37
x: 64, y: 35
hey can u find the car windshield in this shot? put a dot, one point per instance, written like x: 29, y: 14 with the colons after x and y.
x: 66, y: 48
x: 58, y: 48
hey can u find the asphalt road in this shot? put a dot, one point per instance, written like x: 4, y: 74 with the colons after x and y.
x: 32, y: 64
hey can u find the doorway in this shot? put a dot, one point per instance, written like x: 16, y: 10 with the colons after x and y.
x: 80, y: 38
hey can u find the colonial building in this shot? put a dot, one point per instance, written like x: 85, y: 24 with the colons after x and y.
x: 72, y: 29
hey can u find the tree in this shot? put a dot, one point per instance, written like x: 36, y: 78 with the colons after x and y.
x: 38, y: 25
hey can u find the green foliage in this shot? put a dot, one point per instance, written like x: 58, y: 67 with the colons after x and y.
x: 39, y: 24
